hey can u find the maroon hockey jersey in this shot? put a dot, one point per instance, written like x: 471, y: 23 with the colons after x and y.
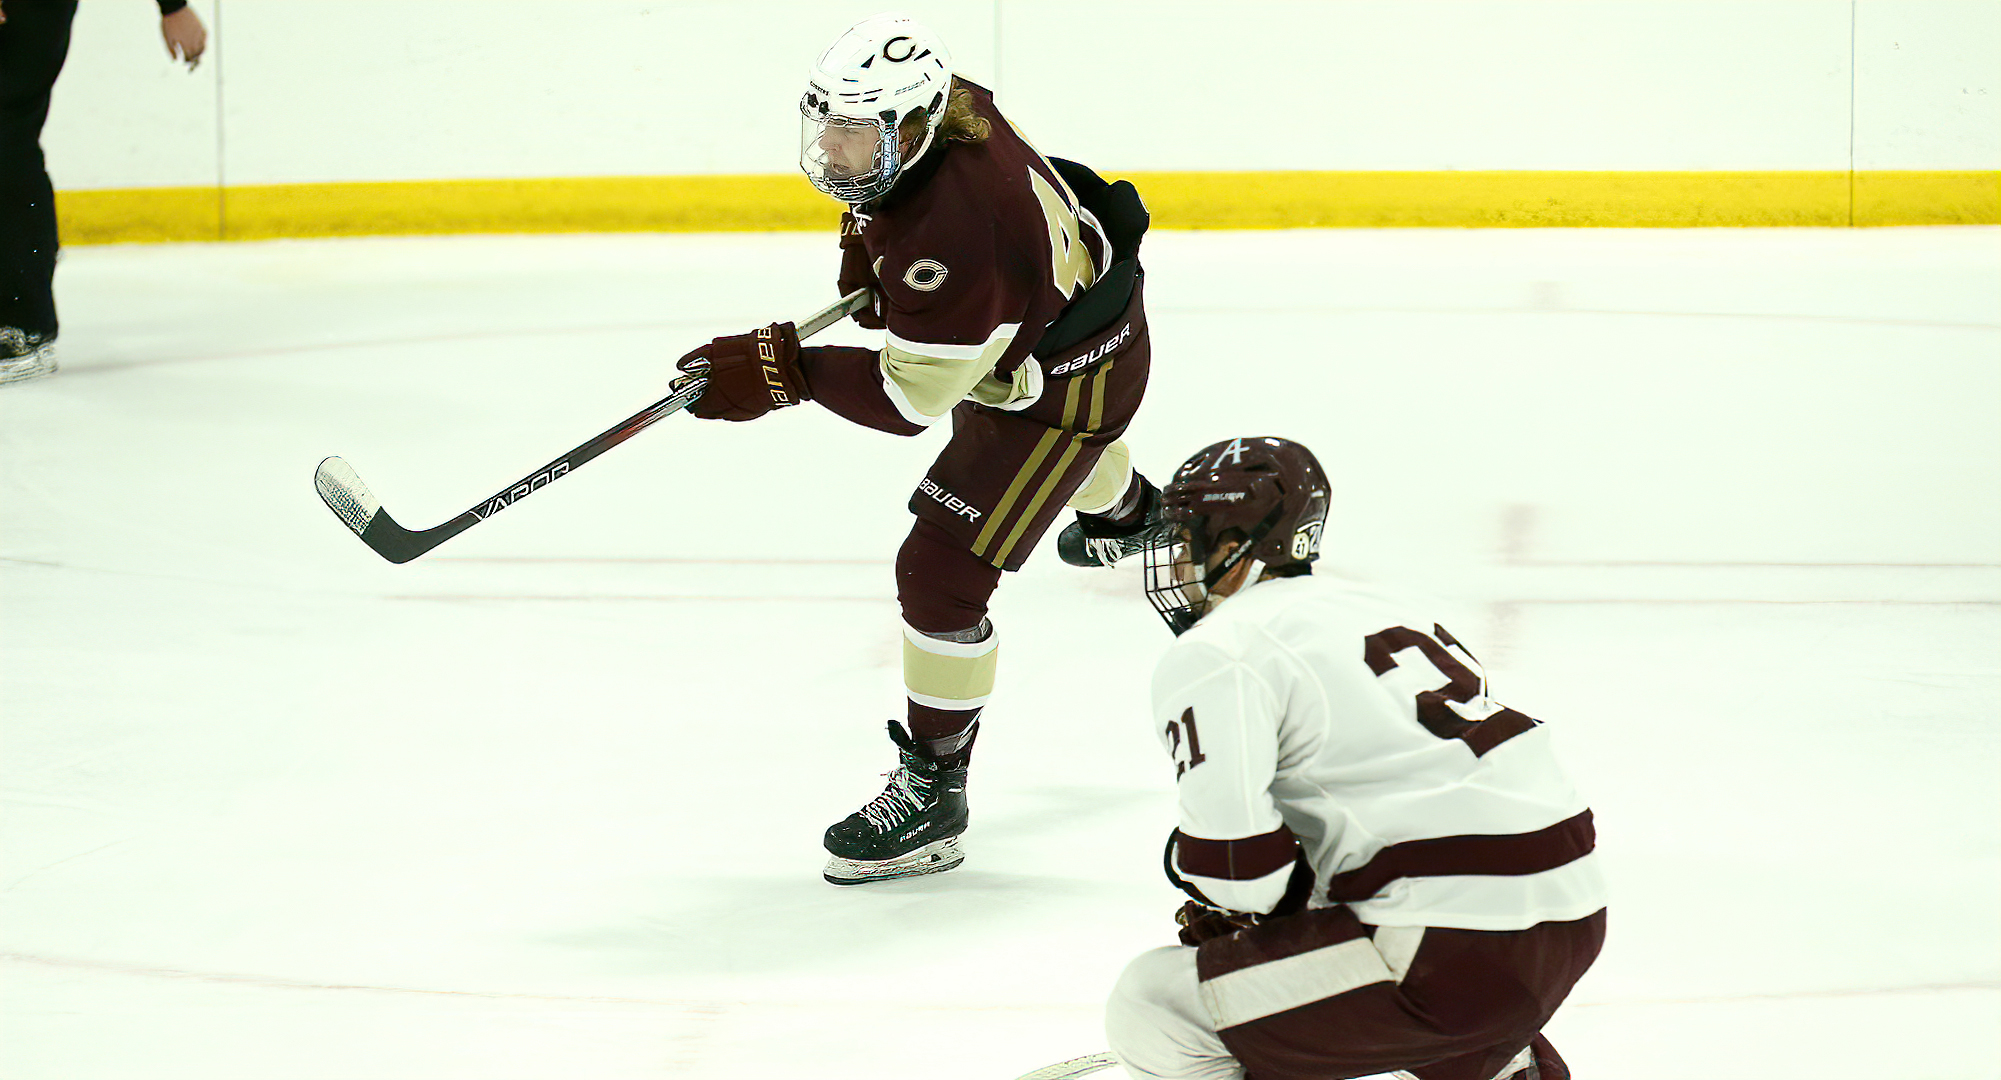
x: 977, y: 248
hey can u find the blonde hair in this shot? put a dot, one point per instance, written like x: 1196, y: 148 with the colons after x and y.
x: 961, y: 123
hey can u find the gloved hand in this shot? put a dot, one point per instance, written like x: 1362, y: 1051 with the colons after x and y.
x: 1200, y: 922
x: 857, y: 273
x: 748, y: 374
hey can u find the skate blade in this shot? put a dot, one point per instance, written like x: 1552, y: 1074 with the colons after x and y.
x: 933, y: 858
x: 33, y: 366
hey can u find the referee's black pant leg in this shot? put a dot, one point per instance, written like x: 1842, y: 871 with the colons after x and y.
x: 34, y: 41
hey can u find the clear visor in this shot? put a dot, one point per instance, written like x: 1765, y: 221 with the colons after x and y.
x: 854, y: 160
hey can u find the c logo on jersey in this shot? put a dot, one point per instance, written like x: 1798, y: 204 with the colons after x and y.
x: 925, y: 275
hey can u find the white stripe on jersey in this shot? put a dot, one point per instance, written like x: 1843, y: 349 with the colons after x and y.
x: 924, y: 380
x: 1257, y: 894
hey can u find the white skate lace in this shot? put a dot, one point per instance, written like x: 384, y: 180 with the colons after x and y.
x: 1108, y: 550
x: 904, y: 796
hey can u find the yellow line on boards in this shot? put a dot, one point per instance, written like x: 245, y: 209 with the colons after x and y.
x: 1178, y: 200
x: 592, y: 204
x: 1285, y: 200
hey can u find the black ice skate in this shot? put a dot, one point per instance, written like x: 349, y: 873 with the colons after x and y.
x: 911, y: 828
x: 1092, y: 540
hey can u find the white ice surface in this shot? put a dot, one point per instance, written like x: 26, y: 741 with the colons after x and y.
x: 1724, y: 508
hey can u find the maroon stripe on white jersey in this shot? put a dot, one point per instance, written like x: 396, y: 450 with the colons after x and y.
x: 1235, y: 860
x: 1500, y: 856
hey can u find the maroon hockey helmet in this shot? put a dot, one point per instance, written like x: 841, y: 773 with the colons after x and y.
x: 1267, y: 494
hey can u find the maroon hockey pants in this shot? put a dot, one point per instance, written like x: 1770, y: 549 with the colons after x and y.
x: 1468, y: 1001
x: 1005, y: 476
x: 1002, y: 481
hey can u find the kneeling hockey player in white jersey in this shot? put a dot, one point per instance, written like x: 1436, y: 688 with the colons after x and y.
x: 1390, y: 872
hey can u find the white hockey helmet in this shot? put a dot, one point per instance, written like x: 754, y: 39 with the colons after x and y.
x: 874, y: 77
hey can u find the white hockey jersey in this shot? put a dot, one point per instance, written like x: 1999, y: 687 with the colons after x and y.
x: 1335, y: 715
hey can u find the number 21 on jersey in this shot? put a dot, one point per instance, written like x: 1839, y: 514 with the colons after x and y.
x: 1184, y: 743
x: 1459, y: 709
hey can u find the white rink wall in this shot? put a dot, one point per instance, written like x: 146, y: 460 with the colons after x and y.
x: 325, y: 91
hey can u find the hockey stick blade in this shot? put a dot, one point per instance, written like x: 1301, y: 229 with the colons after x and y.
x: 1073, y: 1068
x: 341, y: 488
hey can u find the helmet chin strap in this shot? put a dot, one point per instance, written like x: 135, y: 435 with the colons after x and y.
x: 1242, y: 551
x: 1252, y: 567
x: 930, y: 136
x: 904, y: 162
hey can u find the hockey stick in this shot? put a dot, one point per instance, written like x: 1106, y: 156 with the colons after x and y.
x: 1073, y: 1068
x: 340, y: 487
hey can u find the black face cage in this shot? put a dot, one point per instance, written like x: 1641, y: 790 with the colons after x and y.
x: 1176, y: 584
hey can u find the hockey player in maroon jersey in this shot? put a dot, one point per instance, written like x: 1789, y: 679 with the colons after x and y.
x: 1388, y: 870
x: 1010, y: 290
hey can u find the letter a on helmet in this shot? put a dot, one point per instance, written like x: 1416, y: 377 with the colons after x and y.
x: 860, y: 94
x: 1265, y: 496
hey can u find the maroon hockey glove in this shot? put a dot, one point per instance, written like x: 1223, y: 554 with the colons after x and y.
x: 749, y: 374
x: 858, y: 273
x: 1200, y: 922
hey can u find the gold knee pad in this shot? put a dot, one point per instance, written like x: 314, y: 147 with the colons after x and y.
x: 1109, y: 479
